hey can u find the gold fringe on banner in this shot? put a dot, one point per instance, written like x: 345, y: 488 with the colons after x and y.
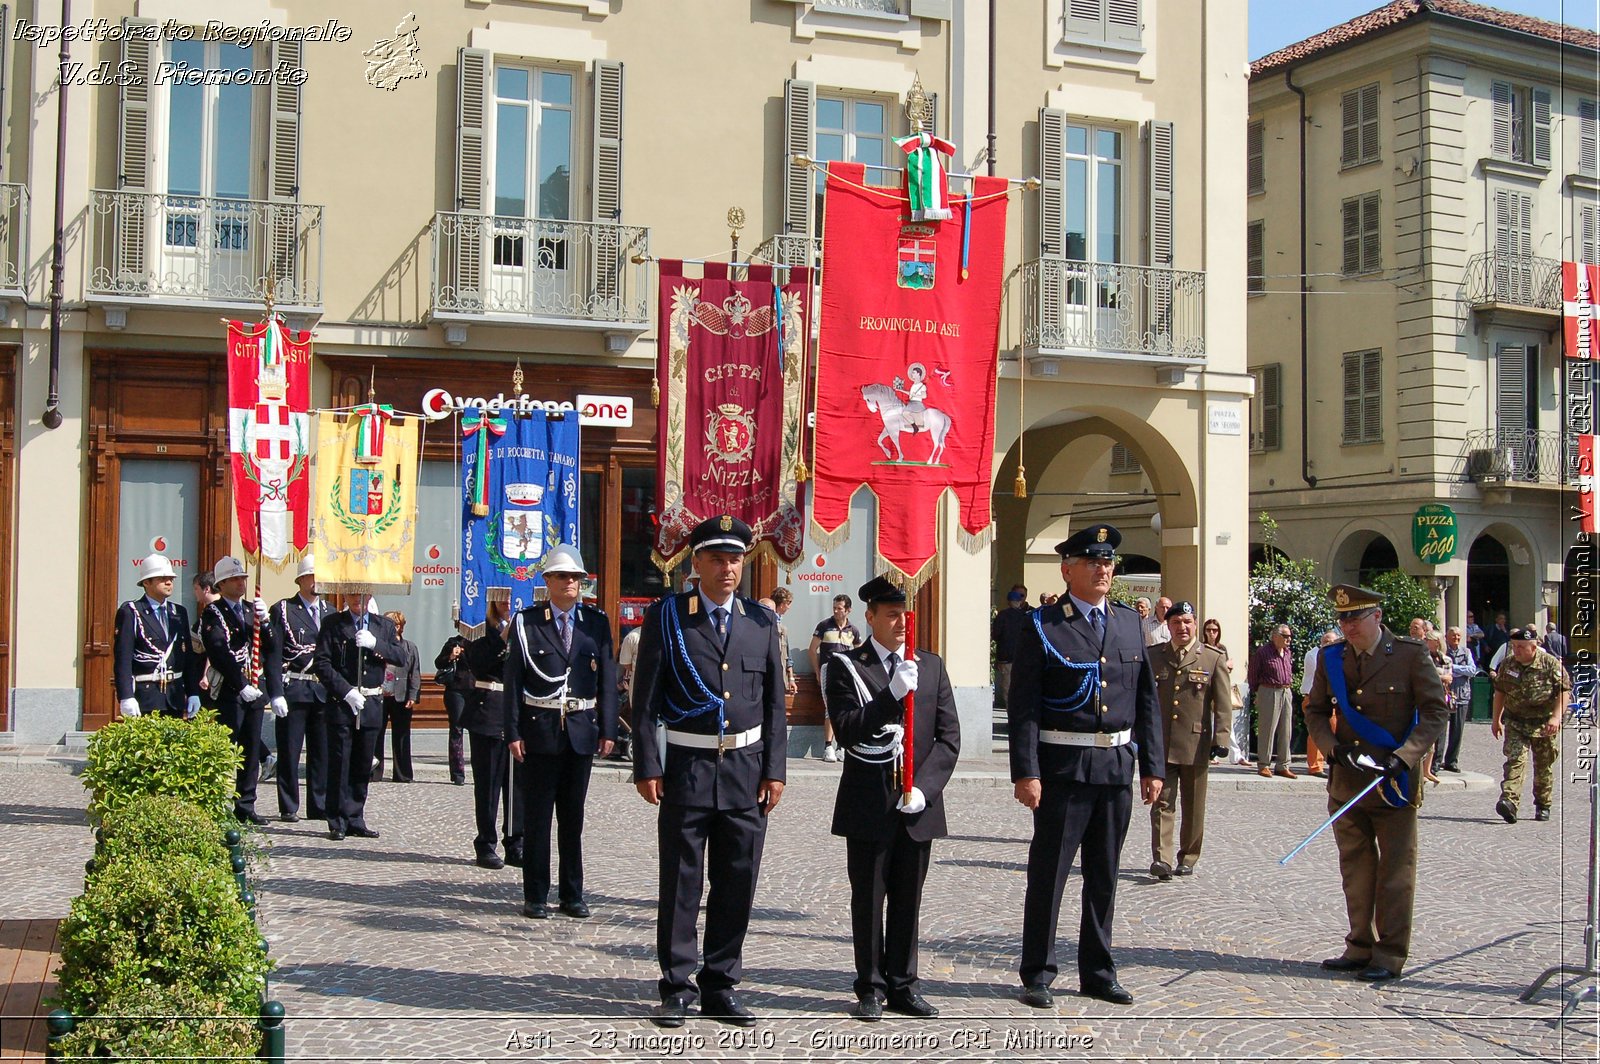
x: 824, y: 540
x: 910, y: 582
x: 972, y: 542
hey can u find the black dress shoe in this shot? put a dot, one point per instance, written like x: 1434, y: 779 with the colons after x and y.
x: 869, y: 1010
x: 362, y: 832
x: 1507, y: 811
x: 1112, y: 992
x: 575, y: 909
x: 536, y: 912
x: 726, y: 1008
x: 1161, y: 870
x: 1377, y: 973
x: 672, y: 1012
x: 336, y: 834
x: 1541, y: 812
x: 1451, y: 768
x: 1184, y: 870
x: 459, y: 781
x: 514, y: 858
x: 489, y: 860
x: 290, y: 818
x: 250, y: 816
x: 1344, y: 964
x: 1038, y: 995
x: 912, y: 1005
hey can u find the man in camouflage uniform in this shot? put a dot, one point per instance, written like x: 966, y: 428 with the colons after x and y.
x: 1530, y: 699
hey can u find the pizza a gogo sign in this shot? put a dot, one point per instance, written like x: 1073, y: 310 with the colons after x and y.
x: 597, y: 411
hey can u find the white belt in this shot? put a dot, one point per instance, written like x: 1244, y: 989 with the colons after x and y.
x: 370, y: 692
x: 309, y: 677
x: 489, y: 685
x: 1103, y: 740
x: 565, y: 705
x: 156, y: 677
x: 701, y: 741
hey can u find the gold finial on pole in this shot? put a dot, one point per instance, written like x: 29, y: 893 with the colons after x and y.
x: 919, y: 106
x: 372, y: 382
x: 516, y: 378
x: 735, y: 223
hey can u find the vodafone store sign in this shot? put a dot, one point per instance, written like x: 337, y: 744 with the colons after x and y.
x: 603, y: 411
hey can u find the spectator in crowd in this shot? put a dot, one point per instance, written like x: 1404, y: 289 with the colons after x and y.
x: 782, y: 599
x: 1496, y: 637
x: 1554, y: 642
x: 1005, y: 629
x: 1315, y: 763
x: 1474, y: 636
x: 836, y: 635
x: 1419, y: 628
x: 1435, y: 754
x: 1156, y: 631
x: 1239, y: 749
x: 455, y: 703
x: 1271, y: 675
x: 402, y: 685
x: 1463, y: 667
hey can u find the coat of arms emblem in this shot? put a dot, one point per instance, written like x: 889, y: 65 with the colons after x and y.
x: 730, y: 434
x: 918, y: 252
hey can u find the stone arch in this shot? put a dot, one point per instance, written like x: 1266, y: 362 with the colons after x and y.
x: 1505, y: 573
x: 1361, y: 550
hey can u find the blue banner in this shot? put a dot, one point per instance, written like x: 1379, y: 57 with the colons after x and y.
x: 527, y: 504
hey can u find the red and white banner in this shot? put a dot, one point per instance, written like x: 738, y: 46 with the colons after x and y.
x: 269, y: 436
x: 1580, y: 293
x: 731, y: 364
x: 1585, y: 514
x: 906, y: 365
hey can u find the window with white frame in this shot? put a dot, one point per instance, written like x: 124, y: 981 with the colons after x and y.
x: 1362, y: 409
x: 1359, y: 142
x: 533, y: 154
x: 1266, y: 410
x: 1520, y: 123
x: 1094, y: 193
x: 1363, y: 243
x: 210, y: 147
x: 1116, y: 23
x: 851, y: 129
x: 1255, y: 259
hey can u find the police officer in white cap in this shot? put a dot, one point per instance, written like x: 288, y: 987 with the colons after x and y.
x: 560, y: 710
x: 227, y: 629
x: 154, y: 669
x: 298, y: 699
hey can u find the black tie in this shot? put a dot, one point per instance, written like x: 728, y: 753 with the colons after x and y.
x: 890, y: 662
x: 1097, y: 622
x: 161, y: 619
x: 719, y: 617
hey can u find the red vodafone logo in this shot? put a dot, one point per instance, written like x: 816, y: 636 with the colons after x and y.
x: 820, y: 561
x: 433, y: 552
x: 159, y: 544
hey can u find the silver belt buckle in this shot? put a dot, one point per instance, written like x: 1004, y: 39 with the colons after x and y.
x: 569, y: 705
x: 1102, y: 740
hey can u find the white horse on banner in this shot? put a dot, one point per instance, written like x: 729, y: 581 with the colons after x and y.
x: 882, y: 400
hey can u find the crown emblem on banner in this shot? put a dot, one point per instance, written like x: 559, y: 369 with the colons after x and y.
x: 272, y: 381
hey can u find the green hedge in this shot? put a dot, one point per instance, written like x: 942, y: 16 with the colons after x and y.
x: 134, y: 1025
x: 156, y: 826
x: 195, y: 760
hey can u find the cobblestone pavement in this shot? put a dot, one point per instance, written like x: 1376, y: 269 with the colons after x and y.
x: 400, y: 949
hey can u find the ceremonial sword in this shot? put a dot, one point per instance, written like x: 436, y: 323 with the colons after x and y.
x: 1365, y: 762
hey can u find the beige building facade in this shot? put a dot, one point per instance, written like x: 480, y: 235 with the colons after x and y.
x: 1405, y: 307
x: 443, y: 195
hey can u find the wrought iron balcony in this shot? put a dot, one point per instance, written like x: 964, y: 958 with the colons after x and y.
x: 205, y: 250
x: 13, y: 239
x: 1109, y: 308
x: 1491, y: 459
x: 1525, y: 282
x: 540, y: 271
x: 789, y: 249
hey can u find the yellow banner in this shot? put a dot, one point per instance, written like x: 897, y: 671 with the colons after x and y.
x: 365, y: 505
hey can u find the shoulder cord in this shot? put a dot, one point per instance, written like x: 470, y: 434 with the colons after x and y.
x: 1087, y: 673
x: 687, y: 676
x: 527, y: 657
x: 891, y: 750
x: 300, y: 649
x: 138, y: 620
x: 242, y: 654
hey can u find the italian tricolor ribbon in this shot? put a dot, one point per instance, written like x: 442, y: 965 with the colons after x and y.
x: 925, y: 178
x: 480, y: 425
x: 374, y: 419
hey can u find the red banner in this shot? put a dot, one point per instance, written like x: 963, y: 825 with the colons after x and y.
x: 269, y: 435
x: 731, y: 365
x: 906, y: 365
x: 1580, y: 298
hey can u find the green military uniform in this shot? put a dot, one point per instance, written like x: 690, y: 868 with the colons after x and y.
x: 1392, y: 685
x: 1532, y: 694
x: 1196, y: 700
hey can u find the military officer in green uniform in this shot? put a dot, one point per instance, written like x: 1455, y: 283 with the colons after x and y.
x: 1196, y: 700
x: 1530, y: 700
x: 1391, y: 708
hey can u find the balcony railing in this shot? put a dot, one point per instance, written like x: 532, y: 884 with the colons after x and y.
x: 539, y: 270
x: 1513, y: 280
x: 1106, y: 307
x: 13, y: 239
x: 1492, y: 458
x: 789, y: 249
x: 205, y: 249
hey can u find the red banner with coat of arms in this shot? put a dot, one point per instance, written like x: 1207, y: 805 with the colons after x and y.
x: 906, y: 365
x: 731, y: 367
x: 269, y: 436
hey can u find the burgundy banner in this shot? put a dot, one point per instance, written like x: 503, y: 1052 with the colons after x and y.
x: 731, y: 366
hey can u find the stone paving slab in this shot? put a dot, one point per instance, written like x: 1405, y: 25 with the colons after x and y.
x: 401, y: 949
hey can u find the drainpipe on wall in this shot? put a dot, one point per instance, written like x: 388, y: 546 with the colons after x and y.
x: 1305, y: 299
x: 58, y: 257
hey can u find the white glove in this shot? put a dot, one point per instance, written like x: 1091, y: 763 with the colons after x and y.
x: 355, y: 700
x: 366, y: 640
x: 192, y: 709
x: 915, y: 802
x: 249, y: 693
x: 904, y: 680
x: 261, y: 609
x: 129, y: 707
x: 280, y: 707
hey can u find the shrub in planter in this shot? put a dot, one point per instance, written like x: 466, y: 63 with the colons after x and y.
x: 131, y: 1026
x: 175, y: 921
x: 194, y: 760
x: 158, y: 826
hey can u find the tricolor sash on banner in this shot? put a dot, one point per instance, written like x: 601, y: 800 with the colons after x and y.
x: 366, y: 503
x: 269, y: 436
x: 519, y: 494
x: 906, y: 366
x: 732, y: 361
x: 1580, y: 308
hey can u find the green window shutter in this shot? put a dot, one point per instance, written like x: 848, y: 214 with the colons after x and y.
x: 1352, y: 397
x: 1255, y: 157
x: 1255, y: 258
x: 1371, y: 397
x: 1351, y: 230
x: 1272, y: 406
x: 1371, y: 238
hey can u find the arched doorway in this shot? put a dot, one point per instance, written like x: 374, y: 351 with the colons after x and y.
x: 1488, y: 579
x: 1362, y: 553
x: 1378, y: 557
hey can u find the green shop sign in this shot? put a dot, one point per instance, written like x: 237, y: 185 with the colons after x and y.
x: 1433, y: 534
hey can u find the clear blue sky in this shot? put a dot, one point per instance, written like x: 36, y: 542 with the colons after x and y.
x: 1275, y: 23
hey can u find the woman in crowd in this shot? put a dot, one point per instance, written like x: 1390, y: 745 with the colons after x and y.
x: 402, y: 684
x: 1211, y: 634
